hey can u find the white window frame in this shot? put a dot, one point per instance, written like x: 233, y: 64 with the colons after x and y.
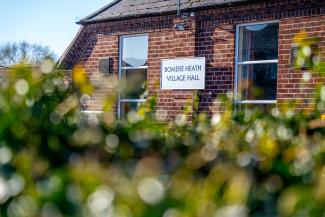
x: 237, y: 63
x: 126, y: 68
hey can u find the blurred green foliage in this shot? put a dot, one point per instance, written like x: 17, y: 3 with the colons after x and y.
x: 56, y: 161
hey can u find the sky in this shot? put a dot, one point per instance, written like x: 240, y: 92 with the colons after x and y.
x: 47, y: 22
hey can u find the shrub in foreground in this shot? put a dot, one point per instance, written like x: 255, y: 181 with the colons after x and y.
x: 55, y: 161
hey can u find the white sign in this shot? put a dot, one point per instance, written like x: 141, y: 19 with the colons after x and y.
x: 183, y: 74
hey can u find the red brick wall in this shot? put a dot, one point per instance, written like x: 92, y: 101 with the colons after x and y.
x: 103, y: 46
x: 292, y: 88
x: 212, y: 35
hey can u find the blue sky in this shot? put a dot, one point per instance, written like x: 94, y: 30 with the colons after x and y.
x: 48, y: 22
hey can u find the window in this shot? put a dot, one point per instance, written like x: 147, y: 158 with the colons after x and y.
x: 133, y: 72
x: 256, y: 63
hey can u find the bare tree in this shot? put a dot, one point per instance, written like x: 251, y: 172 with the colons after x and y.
x: 24, y: 52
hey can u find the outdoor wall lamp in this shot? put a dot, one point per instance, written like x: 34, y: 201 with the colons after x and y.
x: 181, y: 27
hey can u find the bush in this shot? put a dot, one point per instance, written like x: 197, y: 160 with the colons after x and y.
x: 55, y: 161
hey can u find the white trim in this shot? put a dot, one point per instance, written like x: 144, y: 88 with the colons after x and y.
x: 133, y: 35
x: 257, y: 62
x: 256, y: 101
x: 136, y: 67
x: 125, y: 68
x: 237, y: 63
x: 133, y: 100
x: 257, y: 23
x: 91, y: 112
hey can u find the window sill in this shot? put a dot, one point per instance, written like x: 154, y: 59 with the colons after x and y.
x: 256, y: 101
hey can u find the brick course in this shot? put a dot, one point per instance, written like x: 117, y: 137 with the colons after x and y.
x: 211, y: 35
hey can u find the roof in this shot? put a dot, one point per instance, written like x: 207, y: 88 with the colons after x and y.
x: 123, y: 9
x: 65, y: 53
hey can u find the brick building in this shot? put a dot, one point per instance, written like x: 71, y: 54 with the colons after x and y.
x: 247, y: 46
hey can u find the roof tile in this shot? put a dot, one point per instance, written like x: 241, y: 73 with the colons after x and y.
x: 119, y: 9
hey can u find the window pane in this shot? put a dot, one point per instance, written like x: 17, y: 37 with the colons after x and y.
x: 134, y: 51
x: 126, y: 107
x: 257, y: 81
x: 258, y: 42
x: 135, y: 83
